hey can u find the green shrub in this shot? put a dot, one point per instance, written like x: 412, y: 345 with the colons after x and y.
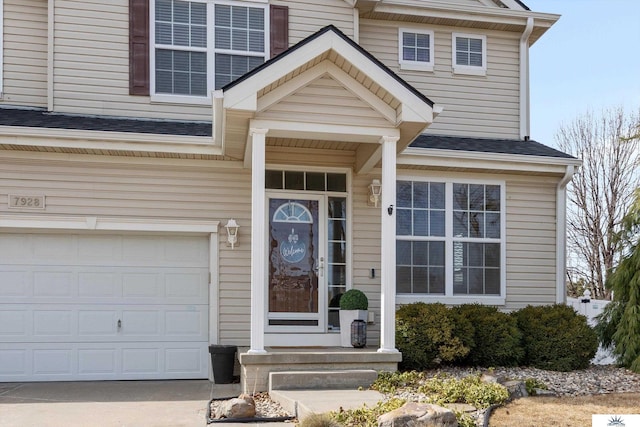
x: 556, y: 338
x: 390, y: 382
x: 472, y: 390
x: 367, y: 416
x: 533, y: 384
x: 498, y: 341
x: 429, y: 334
x: 354, y: 299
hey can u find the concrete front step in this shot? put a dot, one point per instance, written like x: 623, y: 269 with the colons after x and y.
x: 255, y: 368
x: 322, y: 380
x: 303, y: 403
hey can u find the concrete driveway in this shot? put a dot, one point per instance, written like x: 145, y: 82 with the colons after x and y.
x: 109, y: 403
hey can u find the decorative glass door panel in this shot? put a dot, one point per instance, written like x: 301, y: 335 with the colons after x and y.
x: 296, y: 264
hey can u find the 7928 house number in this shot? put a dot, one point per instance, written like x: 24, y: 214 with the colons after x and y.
x: 26, y: 202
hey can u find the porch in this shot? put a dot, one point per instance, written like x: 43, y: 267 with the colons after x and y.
x: 314, y: 366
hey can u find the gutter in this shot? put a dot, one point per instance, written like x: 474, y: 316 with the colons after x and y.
x: 561, y: 234
x: 525, y: 123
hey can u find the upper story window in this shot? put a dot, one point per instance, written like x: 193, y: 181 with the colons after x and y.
x: 416, y: 49
x: 469, y: 54
x: 199, y: 46
x: 450, y: 242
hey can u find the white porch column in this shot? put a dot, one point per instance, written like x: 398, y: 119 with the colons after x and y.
x: 388, y: 247
x: 258, y: 243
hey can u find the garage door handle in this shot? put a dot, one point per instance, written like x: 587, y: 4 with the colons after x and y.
x: 119, y: 323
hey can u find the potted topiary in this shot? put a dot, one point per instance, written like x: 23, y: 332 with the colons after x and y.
x: 353, y: 305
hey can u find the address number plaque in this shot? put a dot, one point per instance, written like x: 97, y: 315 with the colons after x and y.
x: 17, y: 201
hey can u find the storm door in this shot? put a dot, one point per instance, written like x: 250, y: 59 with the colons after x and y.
x: 296, y: 283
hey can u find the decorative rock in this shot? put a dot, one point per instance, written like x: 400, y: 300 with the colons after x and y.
x: 517, y: 389
x: 415, y: 414
x: 461, y: 407
x: 237, y: 408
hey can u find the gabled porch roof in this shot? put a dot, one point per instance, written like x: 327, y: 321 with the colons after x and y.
x: 325, y: 88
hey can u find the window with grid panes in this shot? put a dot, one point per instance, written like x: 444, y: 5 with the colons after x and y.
x: 449, y: 238
x: 203, y: 45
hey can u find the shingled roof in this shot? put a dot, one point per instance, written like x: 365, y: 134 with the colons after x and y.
x: 487, y: 145
x: 42, y: 119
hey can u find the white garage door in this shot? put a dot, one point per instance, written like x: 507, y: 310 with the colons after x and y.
x: 103, y: 307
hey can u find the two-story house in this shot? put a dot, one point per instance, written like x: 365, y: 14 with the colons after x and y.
x: 373, y: 144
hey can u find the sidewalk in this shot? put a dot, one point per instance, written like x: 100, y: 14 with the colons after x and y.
x: 148, y: 403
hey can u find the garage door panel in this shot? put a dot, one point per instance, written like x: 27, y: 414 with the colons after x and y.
x: 96, y: 361
x: 98, y: 325
x: 58, y: 284
x: 99, y: 285
x: 103, y: 307
x: 53, y: 324
x: 53, y: 362
x: 13, y: 284
x: 14, y: 323
x: 103, y: 361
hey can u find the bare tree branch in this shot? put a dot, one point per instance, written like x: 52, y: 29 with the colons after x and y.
x: 600, y: 192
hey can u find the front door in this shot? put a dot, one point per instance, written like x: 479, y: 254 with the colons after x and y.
x: 296, y: 284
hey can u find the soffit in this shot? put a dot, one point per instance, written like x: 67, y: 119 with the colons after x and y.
x: 464, y: 16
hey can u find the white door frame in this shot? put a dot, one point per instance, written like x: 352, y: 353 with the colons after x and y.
x: 322, y: 254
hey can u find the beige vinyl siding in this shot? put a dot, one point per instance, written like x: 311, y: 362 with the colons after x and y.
x: 92, y: 56
x: 481, y: 106
x: 92, y: 64
x: 531, y: 240
x: 163, y: 189
x: 25, y: 53
x: 366, y: 250
x: 327, y: 101
x: 308, y: 16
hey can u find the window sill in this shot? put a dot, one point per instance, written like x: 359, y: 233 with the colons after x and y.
x: 416, y: 66
x: 449, y: 300
x: 181, y: 99
x: 471, y: 71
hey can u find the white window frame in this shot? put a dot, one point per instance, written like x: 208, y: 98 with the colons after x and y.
x: 449, y: 297
x: 210, y: 49
x: 469, y: 69
x: 415, y: 65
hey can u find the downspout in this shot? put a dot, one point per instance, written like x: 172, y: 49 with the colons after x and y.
x: 525, y: 124
x: 561, y: 234
x: 50, y: 54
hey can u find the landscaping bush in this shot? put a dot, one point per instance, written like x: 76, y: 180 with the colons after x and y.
x: 429, y: 334
x: 354, y: 299
x: 556, y: 338
x: 498, y: 341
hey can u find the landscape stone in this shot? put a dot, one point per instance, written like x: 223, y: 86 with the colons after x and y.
x: 239, y: 407
x: 414, y: 414
x: 517, y: 389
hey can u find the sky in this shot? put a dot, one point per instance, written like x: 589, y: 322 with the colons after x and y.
x: 587, y: 61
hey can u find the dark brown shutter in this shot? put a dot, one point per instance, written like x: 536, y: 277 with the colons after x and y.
x: 279, y: 29
x: 139, y: 47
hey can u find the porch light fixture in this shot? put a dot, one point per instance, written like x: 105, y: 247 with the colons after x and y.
x: 375, y: 190
x: 232, y: 232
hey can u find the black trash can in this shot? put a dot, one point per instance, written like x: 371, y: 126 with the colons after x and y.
x: 223, y: 358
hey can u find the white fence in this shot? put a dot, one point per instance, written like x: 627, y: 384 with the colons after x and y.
x: 591, y: 309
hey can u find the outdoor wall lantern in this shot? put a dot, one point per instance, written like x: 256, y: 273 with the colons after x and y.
x: 232, y: 232
x: 375, y: 190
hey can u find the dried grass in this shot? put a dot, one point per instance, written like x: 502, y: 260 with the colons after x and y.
x: 563, y: 411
